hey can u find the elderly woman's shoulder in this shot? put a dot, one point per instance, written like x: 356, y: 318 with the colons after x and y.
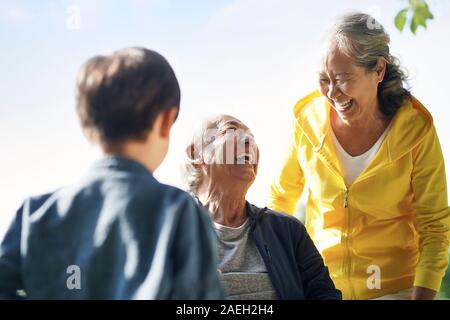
x: 411, y: 123
x: 420, y: 110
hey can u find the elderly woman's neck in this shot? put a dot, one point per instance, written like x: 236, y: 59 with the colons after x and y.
x: 225, y: 208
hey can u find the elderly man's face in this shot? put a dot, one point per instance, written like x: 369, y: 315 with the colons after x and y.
x: 229, y: 150
x: 350, y: 89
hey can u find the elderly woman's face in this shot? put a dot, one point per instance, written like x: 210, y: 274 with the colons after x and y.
x: 350, y: 89
x: 230, y: 152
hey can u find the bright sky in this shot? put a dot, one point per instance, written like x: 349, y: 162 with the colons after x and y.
x: 249, y: 58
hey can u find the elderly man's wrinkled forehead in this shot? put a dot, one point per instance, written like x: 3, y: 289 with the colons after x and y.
x: 223, y: 122
x: 223, y: 139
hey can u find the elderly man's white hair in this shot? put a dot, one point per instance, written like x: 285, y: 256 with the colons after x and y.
x: 191, y: 168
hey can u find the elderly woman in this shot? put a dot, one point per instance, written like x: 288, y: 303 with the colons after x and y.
x: 263, y: 254
x: 368, y: 151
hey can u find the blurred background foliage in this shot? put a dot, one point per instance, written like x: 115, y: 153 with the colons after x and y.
x: 416, y: 13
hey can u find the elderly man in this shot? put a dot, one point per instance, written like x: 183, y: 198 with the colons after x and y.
x: 263, y: 254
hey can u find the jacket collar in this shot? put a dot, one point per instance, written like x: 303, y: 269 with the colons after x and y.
x: 408, y: 128
x: 254, y: 213
x: 120, y: 163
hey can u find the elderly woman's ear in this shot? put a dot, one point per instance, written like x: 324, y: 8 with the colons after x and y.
x: 380, y: 69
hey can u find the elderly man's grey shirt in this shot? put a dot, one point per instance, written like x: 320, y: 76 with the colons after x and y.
x: 117, y: 234
x: 243, y: 271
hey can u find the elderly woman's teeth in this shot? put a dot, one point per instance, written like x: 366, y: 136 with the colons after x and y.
x: 345, y: 104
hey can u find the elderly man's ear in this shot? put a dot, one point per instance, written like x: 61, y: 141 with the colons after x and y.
x: 193, y: 154
x: 190, y: 151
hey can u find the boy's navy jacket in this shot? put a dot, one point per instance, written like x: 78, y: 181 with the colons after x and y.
x: 295, y: 266
x: 117, y: 234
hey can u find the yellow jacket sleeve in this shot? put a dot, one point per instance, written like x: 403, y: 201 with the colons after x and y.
x: 431, y: 211
x: 288, y: 186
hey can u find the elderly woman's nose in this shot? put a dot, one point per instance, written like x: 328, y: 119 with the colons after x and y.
x: 333, y: 91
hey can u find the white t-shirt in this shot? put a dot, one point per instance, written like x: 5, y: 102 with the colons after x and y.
x: 351, y: 166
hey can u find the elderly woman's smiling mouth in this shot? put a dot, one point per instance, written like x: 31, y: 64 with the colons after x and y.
x: 343, y: 106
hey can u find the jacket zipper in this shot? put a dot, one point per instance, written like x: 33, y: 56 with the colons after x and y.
x: 348, y: 261
x: 346, y: 198
x: 268, y: 252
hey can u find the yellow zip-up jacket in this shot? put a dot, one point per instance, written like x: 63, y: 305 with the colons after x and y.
x: 387, y: 231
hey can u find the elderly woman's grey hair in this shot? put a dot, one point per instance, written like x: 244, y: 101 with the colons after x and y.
x: 363, y: 39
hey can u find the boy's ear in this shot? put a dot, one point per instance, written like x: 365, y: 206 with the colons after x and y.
x: 168, y: 118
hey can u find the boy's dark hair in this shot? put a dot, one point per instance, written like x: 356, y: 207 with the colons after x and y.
x: 118, y: 96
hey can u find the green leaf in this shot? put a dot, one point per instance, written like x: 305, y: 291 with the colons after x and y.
x: 421, y: 13
x: 400, y: 19
x: 414, y: 25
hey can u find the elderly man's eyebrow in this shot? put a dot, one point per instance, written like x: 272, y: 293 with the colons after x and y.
x: 231, y: 123
x: 235, y: 125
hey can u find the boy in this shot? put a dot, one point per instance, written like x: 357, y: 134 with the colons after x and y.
x: 117, y: 233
